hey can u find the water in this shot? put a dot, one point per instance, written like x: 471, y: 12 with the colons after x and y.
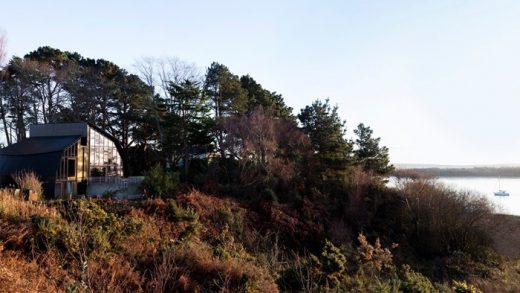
x: 486, y: 186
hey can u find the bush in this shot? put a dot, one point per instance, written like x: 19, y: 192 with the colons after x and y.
x: 440, y: 220
x: 158, y: 182
x: 332, y: 261
x: 193, y: 267
x: 325, y: 272
x: 29, y: 184
x: 179, y: 214
x: 233, y: 220
x: 414, y: 282
x: 302, y: 275
x: 50, y: 233
x: 375, y: 255
x: 463, y: 287
x: 96, y: 230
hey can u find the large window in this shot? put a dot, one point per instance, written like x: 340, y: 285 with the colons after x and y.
x: 104, y: 157
x: 71, y: 164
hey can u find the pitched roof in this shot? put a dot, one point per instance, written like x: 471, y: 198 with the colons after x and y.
x: 39, y: 154
x: 44, y: 165
x: 39, y: 145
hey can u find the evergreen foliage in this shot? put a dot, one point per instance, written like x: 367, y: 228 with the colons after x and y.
x: 368, y: 153
x: 326, y: 130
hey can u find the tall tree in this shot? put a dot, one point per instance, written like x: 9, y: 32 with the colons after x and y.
x: 158, y: 74
x: 333, y: 152
x: 51, y: 69
x: 226, y: 95
x: 3, y: 106
x: 369, y: 154
x: 18, y: 102
x: 187, y: 124
x: 127, y: 109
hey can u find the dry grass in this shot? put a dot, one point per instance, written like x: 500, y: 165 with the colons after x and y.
x: 113, y: 274
x: 225, y: 275
x: 19, y: 275
x: 28, y: 180
x: 12, y: 205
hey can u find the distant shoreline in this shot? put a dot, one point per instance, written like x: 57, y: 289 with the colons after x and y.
x: 504, y: 172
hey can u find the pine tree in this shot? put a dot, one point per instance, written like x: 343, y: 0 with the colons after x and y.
x: 187, y: 125
x: 226, y: 97
x: 369, y: 154
x: 333, y: 152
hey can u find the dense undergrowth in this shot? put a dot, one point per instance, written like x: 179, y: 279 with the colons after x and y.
x: 417, y: 237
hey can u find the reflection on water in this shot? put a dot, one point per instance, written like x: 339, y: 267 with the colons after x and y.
x: 487, y: 186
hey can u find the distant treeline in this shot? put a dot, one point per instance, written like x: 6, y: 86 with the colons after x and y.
x: 464, y: 172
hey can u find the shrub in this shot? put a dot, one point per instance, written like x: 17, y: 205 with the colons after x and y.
x: 333, y: 262
x: 164, y: 271
x: 192, y: 267
x: 463, y: 287
x: 48, y: 231
x: 302, y: 275
x: 29, y: 182
x: 53, y: 234
x: 97, y: 230
x: 178, y: 214
x: 233, y: 220
x: 158, y: 182
x: 375, y: 254
x: 440, y: 220
x: 414, y: 282
x: 325, y: 272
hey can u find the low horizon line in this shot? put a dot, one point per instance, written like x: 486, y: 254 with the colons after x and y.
x: 429, y: 165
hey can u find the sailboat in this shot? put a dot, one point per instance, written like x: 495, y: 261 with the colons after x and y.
x: 501, y: 192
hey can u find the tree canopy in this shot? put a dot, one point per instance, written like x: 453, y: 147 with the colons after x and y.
x: 173, y: 115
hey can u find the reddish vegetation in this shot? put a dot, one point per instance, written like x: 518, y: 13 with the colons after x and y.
x: 198, y: 243
x: 20, y: 275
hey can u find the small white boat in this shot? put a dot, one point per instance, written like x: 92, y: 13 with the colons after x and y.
x: 501, y: 193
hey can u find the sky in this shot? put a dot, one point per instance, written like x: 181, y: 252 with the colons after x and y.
x: 438, y: 81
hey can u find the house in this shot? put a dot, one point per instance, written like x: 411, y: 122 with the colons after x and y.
x: 69, y: 158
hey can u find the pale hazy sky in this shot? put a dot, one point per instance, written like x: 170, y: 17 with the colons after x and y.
x: 437, y: 80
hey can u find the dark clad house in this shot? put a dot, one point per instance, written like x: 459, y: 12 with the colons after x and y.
x: 65, y: 156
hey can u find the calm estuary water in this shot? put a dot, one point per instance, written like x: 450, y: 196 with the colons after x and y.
x: 486, y: 186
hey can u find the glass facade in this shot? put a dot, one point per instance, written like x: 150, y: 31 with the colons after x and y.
x: 72, y: 169
x: 72, y: 164
x: 92, y: 157
x: 104, y: 159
